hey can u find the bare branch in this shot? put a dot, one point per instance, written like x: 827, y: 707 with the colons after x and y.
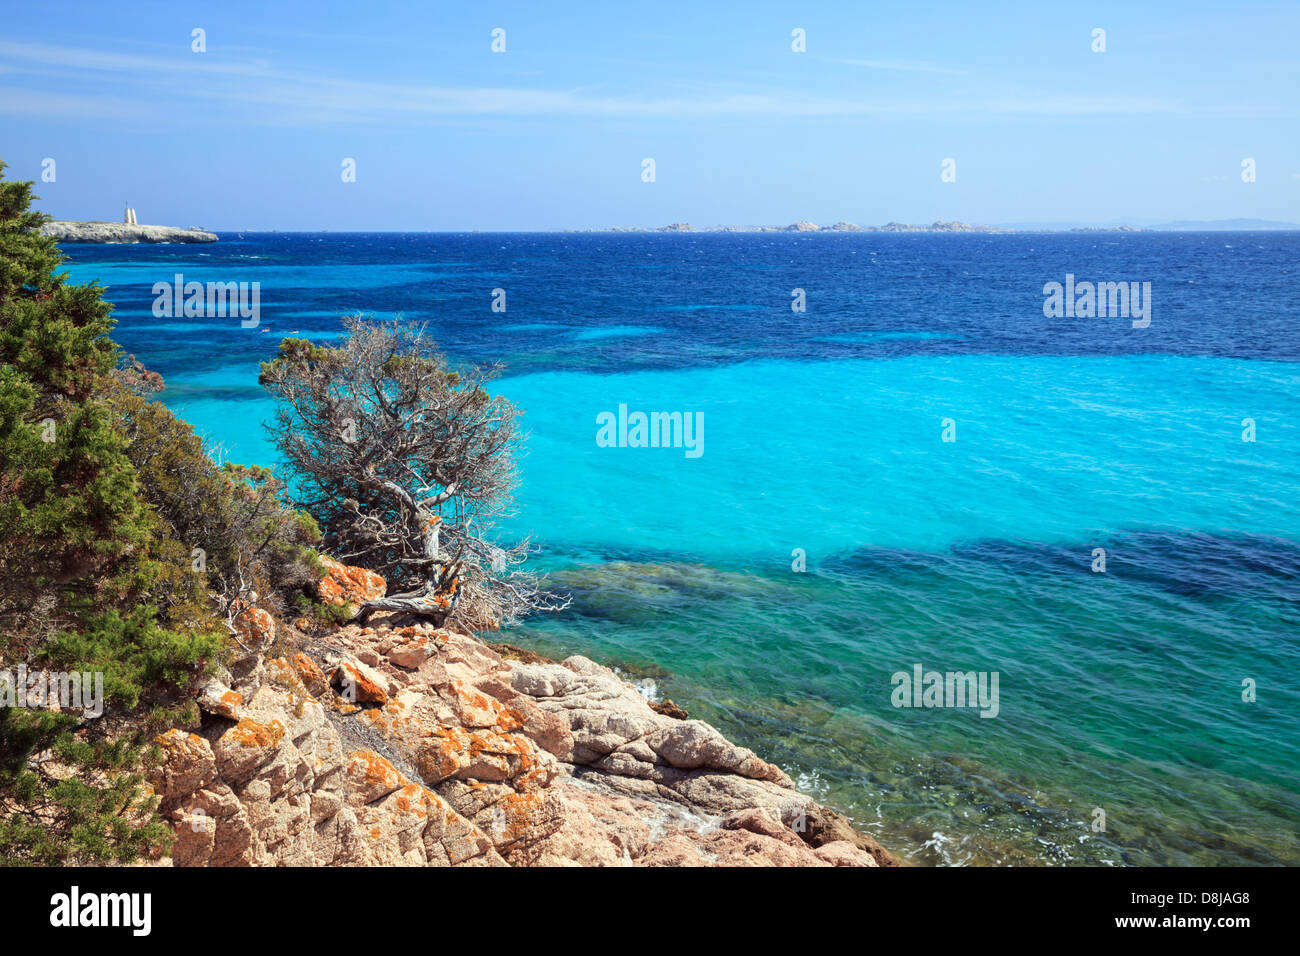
x: 407, y: 463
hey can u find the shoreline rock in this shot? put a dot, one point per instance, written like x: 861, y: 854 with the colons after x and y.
x: 399, y: 743
x: 62, y: 230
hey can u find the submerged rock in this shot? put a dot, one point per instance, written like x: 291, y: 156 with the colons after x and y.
x: 631, y: 591
x: 668, y: 709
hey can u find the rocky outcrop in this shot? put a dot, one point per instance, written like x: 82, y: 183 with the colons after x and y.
x: 803, y: 225
x: 402, y: 743
x: 934, y: 227
x: 344, y: 584
x: 121, y: 232
x: 279, y: 785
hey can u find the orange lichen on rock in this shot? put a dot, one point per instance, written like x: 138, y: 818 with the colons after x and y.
x: 382, y: 720
x: 442, y: 754
x: 370, y: 777
x: 497, y: 738
x: 478, y: 710
x: 254, y: 627
x: 377, y: 768
x: 509, y: 719
x: 344, y: 584
x: 312, y: 677
x: 250, y: 733
x: 519, y: 812
x: 356, y: 686
x: 175, y: 740
x: 412, y: 799
x: 280, y: 671
x: 475, y: 755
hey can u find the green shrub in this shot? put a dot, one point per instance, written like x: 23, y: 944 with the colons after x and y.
x: 104, y: 498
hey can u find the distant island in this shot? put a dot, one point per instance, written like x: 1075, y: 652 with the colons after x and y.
x: 804, y: 225
x: 69, y: 231
x: 130, y: 231
x: 127, y: 231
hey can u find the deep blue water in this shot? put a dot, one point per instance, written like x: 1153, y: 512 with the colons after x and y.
x: 1120, y: 691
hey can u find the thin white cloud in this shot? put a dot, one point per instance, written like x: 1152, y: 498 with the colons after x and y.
x: 285, y: 96
x: 905, y: 66
x: 80, y: 58
x: 45, y: 103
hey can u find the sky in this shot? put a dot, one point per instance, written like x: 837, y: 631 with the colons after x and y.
x: 448, y: 134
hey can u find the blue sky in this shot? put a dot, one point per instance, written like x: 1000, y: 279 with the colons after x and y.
x: 551, y: 134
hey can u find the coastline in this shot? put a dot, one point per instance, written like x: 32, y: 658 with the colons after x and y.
x: 768, y: 627
x: 62, y: 230
x: 402, y: 743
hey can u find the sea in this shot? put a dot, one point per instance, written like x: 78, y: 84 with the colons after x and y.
x: 904, y: 465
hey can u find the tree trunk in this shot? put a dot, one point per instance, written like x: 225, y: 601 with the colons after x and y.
x: 439, y: 597
x: 436, y: 600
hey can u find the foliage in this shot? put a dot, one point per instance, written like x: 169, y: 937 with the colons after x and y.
x: 104, y: 498
x: 407, y: 463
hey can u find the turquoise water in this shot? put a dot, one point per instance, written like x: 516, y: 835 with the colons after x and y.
x: 829, y: 456
x: 823, y: 441
x: 979, y: 559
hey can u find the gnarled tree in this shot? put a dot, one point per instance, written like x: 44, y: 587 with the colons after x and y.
x: 406, y: 464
